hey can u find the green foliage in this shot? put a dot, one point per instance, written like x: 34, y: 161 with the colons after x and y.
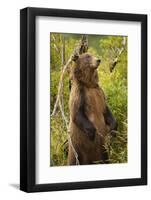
x: 58, y: 138
x: 114, y: 85
x: 115, y: 88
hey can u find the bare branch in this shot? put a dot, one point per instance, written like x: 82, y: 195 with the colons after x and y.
x: 60, y: 85
x: 116, y: 59
x: 78, y: 50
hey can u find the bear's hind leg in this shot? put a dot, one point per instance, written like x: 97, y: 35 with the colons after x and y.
x: 71, y: 157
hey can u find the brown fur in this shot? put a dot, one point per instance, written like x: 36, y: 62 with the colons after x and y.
x: 85, y: 79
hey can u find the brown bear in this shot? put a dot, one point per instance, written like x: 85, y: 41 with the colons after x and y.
x: 90, y: 117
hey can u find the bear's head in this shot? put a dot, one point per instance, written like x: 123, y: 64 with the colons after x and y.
x: 85, y: 69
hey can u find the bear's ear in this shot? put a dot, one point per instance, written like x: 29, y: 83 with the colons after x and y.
x: 75, y: 57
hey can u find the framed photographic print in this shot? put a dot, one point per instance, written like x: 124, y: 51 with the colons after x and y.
x: 83, y: 99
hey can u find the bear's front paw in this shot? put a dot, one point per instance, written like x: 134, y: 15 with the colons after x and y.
x: 91, y: 132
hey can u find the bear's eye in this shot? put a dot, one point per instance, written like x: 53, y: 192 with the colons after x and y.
x: 88, y: 56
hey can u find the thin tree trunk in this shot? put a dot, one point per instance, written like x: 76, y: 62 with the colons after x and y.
x: 81, y: 48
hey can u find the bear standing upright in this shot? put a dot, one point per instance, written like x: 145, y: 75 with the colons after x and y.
x: 90, y: 117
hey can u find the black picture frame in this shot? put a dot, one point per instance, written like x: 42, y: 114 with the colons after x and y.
x: 28, y: 98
